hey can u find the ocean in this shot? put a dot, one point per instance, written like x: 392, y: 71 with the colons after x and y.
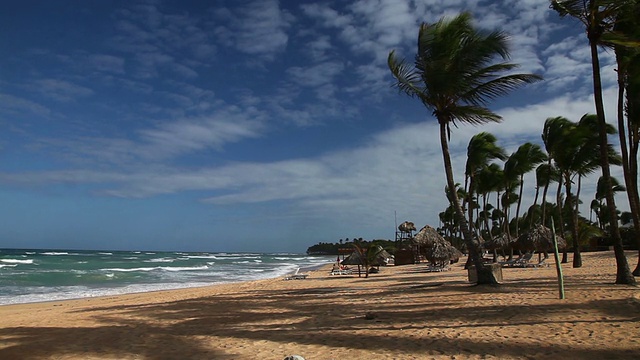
x: 28, y: 275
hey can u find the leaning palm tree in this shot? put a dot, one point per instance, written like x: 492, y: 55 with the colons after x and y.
x: 455, y: 75
x: 598, y: 17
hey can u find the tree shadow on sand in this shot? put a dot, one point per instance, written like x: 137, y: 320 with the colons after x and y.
x: 181, y: 329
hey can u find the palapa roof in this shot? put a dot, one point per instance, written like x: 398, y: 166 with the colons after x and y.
x: 502, y: 241
x: 355, y: 258
x: 442, y: 251
x: 427, y: 236
x: 538, y: 238
x: 434, y: 246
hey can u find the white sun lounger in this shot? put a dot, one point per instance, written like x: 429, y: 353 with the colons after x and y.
x: 342, y: 272
x: 296, y: 276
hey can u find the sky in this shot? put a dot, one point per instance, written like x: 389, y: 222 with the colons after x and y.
x: 254, y: 126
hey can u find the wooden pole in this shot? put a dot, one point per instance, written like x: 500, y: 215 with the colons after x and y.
x: 557, y: 257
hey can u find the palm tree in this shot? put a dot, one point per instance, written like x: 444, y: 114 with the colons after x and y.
x: 481, y: 150
x: 598, y: 207
x: 545, y: 174
x: 564, y: 141
x: 455, y: 76
x: 628, y: 26
x: 598, y: 17
x: 489, y: 179
x: 525, y: 159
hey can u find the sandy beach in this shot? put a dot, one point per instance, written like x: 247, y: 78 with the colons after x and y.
x: 415, y: 315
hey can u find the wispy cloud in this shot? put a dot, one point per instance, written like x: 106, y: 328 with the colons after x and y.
x: 256, y: 28
x: 60, y: 90
x: 13, y: 105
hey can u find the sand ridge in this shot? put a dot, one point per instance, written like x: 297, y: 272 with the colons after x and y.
x: 413, y: 314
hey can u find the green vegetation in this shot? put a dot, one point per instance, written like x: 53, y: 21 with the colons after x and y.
x: 323, y: 248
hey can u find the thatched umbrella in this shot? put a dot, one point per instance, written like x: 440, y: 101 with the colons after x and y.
x: 358, y: 258
x: 382, y: 258
x: 441, y: 251
x: 435, y: 247
x: 355, y: 258
x: 499, y: 242
x: 538, y: 238
x: 427, y: 236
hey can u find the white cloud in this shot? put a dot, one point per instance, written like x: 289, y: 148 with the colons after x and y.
x: 61, y: 90
x: 14, y: 105
x: 106, y: 63
x: 258, y: 28
x: 316, y: 75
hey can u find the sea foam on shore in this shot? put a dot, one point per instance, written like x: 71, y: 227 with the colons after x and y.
x: 46, y: 275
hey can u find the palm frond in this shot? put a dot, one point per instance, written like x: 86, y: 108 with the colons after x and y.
x: 408, y: 79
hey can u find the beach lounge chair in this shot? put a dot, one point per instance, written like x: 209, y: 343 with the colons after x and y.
x: 523, y: 261
x: 342, y: 272
x: 296, y: 276
x: 437, y: 268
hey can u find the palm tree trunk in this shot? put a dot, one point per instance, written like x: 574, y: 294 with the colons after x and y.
x: 485, y: 276
x: 561, y: 219
x: 487, y: 228
x: 623, y: 273
x: 470, y: 202
x: 518, y: 206
x: 573, y: 224
x: 632, y: 189
x: 535, y: 202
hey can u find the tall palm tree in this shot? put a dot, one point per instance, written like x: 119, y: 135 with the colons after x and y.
x: 489, y: 180
x: 564, y: 141
x: 527, y: 157
x: 598, y: 17
x: 545, y: 174
x: 598, y: 207
x: 628, y: 26
x: 509, y: 196
x: 455, y: 75
x: 481, y: 151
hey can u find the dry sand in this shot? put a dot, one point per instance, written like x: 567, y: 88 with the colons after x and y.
x: 417, y: 315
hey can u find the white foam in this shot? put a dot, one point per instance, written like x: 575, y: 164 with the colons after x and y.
x: 166, y: 268
x: 17, y: 261
x: 159, y: 260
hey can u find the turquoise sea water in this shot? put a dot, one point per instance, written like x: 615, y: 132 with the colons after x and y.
x: 46, y: 275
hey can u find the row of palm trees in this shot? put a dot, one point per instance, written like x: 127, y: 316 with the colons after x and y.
x: 456, y: 75
x: 571, y: 153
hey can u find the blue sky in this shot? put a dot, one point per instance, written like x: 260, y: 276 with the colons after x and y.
x: 246, y: 125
